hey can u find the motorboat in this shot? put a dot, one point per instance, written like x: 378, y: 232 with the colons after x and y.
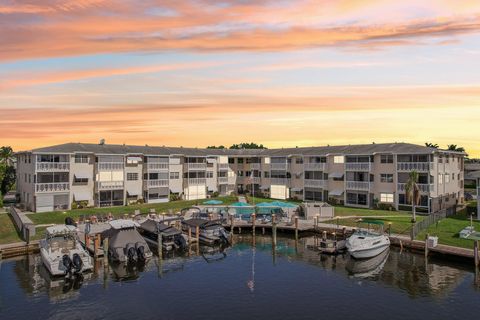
x: 368, y: 268
x: 211, y: 232
x: 125, y: 243
x: 363, y: 244
x: 62, y: 252
x: 331, y: 246
x: 172, y: 238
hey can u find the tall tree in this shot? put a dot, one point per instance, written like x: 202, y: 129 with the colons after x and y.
x: 215, y: 147
x: 6, y: 154
x: 431, y: 145
x: 7, y: 171
x: 412, y: 191
x: 453, y: 147
x: 246, y: 145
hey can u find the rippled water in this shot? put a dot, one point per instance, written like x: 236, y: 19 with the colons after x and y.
x: 243, y: 281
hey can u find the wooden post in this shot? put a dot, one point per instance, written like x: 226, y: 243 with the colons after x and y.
x: 315, y: 223
x: 296, y: 227
x: 189, y: 234
x: 96, y: 243
x: 87, y: 242
x: 197, y: 234
x: 160, y: 246
x: 274, y: 231
x: 231, y: 224
x: 263, y: 230
x: 475, y: 254
x: 105, y: 252
x: 426, y: 245
x: 324, y: 235
x: 254, y: 217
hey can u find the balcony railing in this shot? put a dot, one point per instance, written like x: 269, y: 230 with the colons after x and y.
x: 157, y: 166
x: 358, y: 166
x: 417, y: 166
x: 109, y: 185
x: 401, y: 187
x: 255, y: 166
x: 279, y: 181
x: 223, y: 166
x: 223, y: 180
x: 157, y: 183
x: 314, y: 166
x: 196, y: 166
x: 196, y: 181
x: 358, y: 185
x: 53, y: 166
x: 52, y: 187
x: 110, y: 166
x: 315, y: 183
x: 278, y: 166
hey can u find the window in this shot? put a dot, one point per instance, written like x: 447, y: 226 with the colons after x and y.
x: 80, y: 180
x: 209, y: 174
x: 240, y: 160
x: 386, y: 158
x: 231, y: 160
x: 440, y: 178
x: 240, y: 173
x: 174, y: 175
x: 338, y: 159
x: 299, y: 160
x: 81, y: 158
x: 266, y: 174
x: 386, y: 197
x: 386, y: 178
x: 132, y: 176
x: 453, y: 176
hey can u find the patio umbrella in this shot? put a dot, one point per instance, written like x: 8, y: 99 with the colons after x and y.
x: 213, y: 202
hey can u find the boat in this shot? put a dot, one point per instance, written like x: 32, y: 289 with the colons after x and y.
x: 172, y: 238
x: 211, y: 232
x: 367, y: 268
x: 331, y: 246
x: 125, y: 243
x: 363, y: 244
x: 62, y: 252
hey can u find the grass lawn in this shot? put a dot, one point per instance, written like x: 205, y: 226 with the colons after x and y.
x: 59, y: 216
x: 448, y: 229
x: 400, y: 224
x: 8, y: 233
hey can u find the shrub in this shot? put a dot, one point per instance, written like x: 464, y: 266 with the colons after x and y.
x: 215, y: 194
x: 140, y: 201
x: 174, y: 197
x: 1, y: 201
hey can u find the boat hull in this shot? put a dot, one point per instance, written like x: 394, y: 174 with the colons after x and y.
x: 370, y: 252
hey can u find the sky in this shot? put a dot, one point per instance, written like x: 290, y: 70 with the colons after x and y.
x: 202, y: 72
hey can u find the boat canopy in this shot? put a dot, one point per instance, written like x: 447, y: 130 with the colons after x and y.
x: 60, y: 230
x: 123, y: 223
x: 154, y: 227
x: 473, y: 236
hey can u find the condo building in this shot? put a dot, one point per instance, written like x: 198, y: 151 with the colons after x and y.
x: 101, y: 175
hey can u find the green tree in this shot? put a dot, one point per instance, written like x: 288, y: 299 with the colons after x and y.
x: 7, y: 171
x: 215, y: 147
x: 453, y: 147
x: 431, y: 145
x: 412, y: 191
x: 246, y: 145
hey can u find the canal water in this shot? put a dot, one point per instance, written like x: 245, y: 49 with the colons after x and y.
x: 247, y: 281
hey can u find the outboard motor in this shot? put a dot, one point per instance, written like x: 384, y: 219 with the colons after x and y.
x: 131, y: 254
x: 180, y: 241
x: 67, y: 263
x: 70, y: 222
x: 141, y: 253
x: 77, y: 263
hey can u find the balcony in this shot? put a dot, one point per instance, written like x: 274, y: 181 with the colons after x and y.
x: 315, y: 183
x: 358, y: 185
x: 109, y: 185
x: 314, y: 166
x: 278, y: 166
x: 223, y: 166
x: 52, y: 187
x: 196, y: 181
x: 255, y: 166
x: 197, y: 166
x: 425, y: 188
x: 110, y: 166
x: 417, y: 166
x: 157, y: 183
x: 222, y: 180
x: 157, y: 166
x: 53, y: 166
x: 358, y: 166
x: 279, y: 181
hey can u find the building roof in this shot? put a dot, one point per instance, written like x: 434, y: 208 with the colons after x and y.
x: 359, y: 149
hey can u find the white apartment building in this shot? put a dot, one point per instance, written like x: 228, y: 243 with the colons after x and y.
x: 54, y: 178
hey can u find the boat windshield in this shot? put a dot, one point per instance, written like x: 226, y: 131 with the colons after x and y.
x: 61, y: 242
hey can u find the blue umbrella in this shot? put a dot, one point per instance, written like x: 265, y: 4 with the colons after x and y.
x: 213, y: 202
x: 282, y: 204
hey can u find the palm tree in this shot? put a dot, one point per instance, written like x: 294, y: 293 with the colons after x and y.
x: 431, y: 145
x: 6, y: 154
x: 453, y: 147
x: 413, y: 192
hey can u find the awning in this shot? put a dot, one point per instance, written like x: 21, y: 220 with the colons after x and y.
x: 210, y: 160
x: 336, y: 175
x: 133, y: 191
x: 82, y: 195
x: 134, y: 159
x: 296, y: 189
x: 335, y: 193
x: 82, y: 175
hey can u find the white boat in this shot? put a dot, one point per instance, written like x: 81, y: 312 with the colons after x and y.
x: 62, y: 252
x: 363, y: 244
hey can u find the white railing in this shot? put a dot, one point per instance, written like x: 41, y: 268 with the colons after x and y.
x: 417, y: 166
x: 278, y: 166
x: 255, y: 166
x: 223, y: 180
x: 314, y: 166
x: 110, y: 166
x: 53, y: 166
x: 197, y: 166
x: 358, y: 185
x: 196, y: 181
x: 223, y: 166
x: 157, y: 166
x: 315, y: 183
x: 157, y: 183
x: 358, y: 166
x: 401, y: 187
x: 52, y: 187
x: 109, y: 185
x: 279, y: 181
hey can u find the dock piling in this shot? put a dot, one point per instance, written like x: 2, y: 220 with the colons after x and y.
x: 426, y: 245
x: 105, y: 252
x: 274, y: 231
x: 254, y: 217
x: 197, y: 234
x: 96, y: 243
x: 296, y: 227
x: 475, y: 254
x: 160, y: 246
x: 189, y: 235
x: 315, y: 223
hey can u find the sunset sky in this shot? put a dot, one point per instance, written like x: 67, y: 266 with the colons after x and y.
x: 203, y: 72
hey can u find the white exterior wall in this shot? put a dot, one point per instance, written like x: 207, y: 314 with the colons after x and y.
x: 82, y: 169
x: 26, y: 187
